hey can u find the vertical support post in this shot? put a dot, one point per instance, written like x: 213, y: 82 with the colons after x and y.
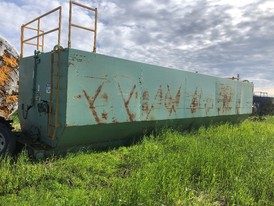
x: 95, y: 31
x: 71, y: 3
x: 69, y: 32
x: 22, y: 39
x: 59, y: 26
x: 43, y: 42
x: 38, y: 32
x: 56, y: 120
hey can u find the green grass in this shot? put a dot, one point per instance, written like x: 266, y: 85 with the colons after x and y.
x: 16, y: 124
x: 224, y: 165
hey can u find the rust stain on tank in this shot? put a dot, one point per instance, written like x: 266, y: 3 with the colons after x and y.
x: 207, y: 110
x: 148, y: 113
x: 126, y: 102
x: 238, y: 106
x: 145, y: 101
x: 136, y: 95
x: 105, y: 115
x: 105, y: 96
x: 171, y: 104
x: 91, y: 101
x: 159, y: 93
x: 226, y: 101
x: 195, y: 102
x: 226, y: 96
x: 114, y: 120
x: 145, y: 107
x: 148, y: 107
x: 159, y: 97
x: 78, y: 96
x: 208, y: 105
x: 145, y: 95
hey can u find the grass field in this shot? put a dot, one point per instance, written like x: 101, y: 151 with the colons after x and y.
x: 222, y: 165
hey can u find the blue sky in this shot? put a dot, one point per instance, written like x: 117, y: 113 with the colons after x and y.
x: 216, y: 37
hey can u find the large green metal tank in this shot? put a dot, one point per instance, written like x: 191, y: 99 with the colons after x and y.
x: 70, y: 98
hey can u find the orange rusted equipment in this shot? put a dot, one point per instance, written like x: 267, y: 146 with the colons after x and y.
x: 8, y: 78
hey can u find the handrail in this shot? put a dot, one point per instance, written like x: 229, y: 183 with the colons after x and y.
x: 82, y: 27
x: 43, y: 38
x: 40, y: 33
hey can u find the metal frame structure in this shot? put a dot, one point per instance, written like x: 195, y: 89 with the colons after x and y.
x: 81, y: 27
x: 40, y: 33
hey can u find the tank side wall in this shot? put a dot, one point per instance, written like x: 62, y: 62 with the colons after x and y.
x: 37, y: 81
x: 103, y: 90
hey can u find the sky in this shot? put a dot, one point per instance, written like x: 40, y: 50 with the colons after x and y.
x: 221, y: 38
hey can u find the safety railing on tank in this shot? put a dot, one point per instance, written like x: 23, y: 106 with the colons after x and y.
x: 37, y: 44
x: 40, y: 43
x: 94, y: 30
x: 40, y: 33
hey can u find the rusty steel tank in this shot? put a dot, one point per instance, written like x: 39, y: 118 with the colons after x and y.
x: 9, y: 75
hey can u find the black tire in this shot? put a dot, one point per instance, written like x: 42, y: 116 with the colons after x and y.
x: 7, y: 141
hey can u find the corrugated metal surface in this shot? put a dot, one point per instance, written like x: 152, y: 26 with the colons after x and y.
x: 8, y: 78
x: 95, y: 98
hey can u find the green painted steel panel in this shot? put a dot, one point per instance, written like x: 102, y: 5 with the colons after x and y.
x: 103, y: 99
